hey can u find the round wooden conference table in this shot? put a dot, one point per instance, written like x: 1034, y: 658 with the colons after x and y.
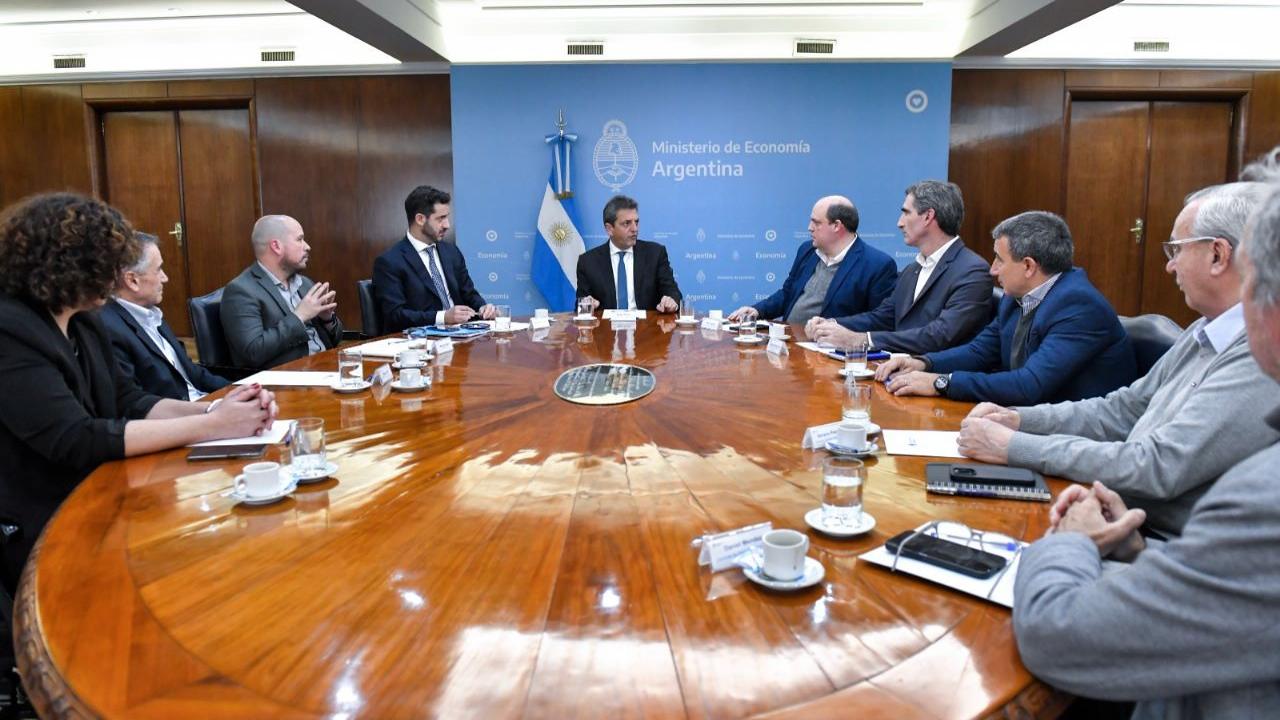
x: 486, y: 549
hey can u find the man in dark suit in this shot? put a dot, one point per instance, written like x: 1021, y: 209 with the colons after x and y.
x: 422, y: 280
x: 145, y: 347
x: 941, y: 300
x: 833, y: 276
x: 1054, y: 337
x: 272, y: 313
x: 627, y: 273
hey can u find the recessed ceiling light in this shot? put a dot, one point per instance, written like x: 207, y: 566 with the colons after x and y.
x: 90, y: 12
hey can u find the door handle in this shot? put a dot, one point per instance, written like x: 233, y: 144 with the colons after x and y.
x: 176, y: 232
x: 1137, y: 231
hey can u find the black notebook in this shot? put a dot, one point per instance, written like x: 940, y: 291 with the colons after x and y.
x: 939, y: 479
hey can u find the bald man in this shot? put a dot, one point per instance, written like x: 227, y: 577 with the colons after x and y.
x: 834, y: 275
x: 272, y: 313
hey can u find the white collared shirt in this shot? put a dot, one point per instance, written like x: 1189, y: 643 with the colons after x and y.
x: 927, y: 265
x: 431, y: 255
x: 292, y: 293
x: 1220, y: 331
x: 150, y: 320
x: 838, y: 258
x: 629, y: 261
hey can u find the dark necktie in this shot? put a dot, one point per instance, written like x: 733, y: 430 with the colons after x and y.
x: 624, y: 301
x: 1018, y: 353
x: 441, y: 289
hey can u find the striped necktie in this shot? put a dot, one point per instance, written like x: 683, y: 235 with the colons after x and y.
x: 442, y: 290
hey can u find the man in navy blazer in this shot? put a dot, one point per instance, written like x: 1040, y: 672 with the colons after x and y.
x: 422, y: 280
x: 646, y: 279
x: 834, y: 275
x: 941, y: 300
x: 1055, y: 337
x: 145, y: 347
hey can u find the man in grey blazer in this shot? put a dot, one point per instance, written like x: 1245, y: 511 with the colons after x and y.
x: 272, y: 313
x: 1189, y: 629
x: 941, y: 300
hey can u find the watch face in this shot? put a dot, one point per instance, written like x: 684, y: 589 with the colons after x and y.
x: 940, y: 383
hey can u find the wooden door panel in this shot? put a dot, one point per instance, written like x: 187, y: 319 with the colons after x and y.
x: 1106, y: 194
x: 218, y: 195
x: 141, y: 156
x: 1190, y: 149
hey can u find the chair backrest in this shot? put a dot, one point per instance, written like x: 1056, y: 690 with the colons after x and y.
x: 206, y: 323
x: 1151, y: 336
x: 369, y: 321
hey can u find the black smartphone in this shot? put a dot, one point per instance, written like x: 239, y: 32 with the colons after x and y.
x: 224, y: 452
x: 977, y: 474
x: 947, y: 555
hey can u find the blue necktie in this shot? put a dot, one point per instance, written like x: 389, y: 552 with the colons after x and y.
x: 624, y: 302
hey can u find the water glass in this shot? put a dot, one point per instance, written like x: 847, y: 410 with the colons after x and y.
x: 350, y: 368
x: 502, y: 320
x: 687, y: 313
x: 855, y: 355
x: 584, y: 308
x: 308, y: 446
x: 857, y: 402
x: 842, y: 480
x: 747, y: 329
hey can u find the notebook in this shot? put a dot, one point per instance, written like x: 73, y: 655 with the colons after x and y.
x: 938, y: 480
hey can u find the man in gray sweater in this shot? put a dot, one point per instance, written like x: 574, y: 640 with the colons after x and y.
x: 1161, y: 441
x: 1191, y: 629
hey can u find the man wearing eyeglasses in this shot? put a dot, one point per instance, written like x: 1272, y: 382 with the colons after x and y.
x: 1162, y: 440
x: 1190, y: 628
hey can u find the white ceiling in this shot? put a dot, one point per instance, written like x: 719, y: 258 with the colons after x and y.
x: 145, y: 37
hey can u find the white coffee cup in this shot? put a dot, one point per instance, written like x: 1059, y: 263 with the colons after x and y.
x: 540, y: 313
x: 784, y: 553
x: 412, y: 377
x: 411, y: 356
x: 715, y: 314
x: 850, y: 435
x: 261, y: 479
x: 777, y: 330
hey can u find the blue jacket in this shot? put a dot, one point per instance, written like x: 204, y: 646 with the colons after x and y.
x: 1076, y: 349
x: 405, y: 295
x: 865, y: 278
x: 953, y: 307
x: 140, y: 359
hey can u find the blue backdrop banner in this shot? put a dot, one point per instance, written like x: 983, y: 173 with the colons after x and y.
x: 725, y: 160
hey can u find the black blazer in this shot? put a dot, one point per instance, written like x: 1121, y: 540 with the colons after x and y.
x: 61, y: 416
x: 403, y: 290
x: 954, y: 306
x: 653, y: 279
x: 141, y: 360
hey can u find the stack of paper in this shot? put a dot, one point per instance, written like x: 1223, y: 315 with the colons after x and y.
x: 290, y: 378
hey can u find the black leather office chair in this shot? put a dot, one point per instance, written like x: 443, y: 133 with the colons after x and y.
x: 1152, y: 336
x: 211, y: 343
x: 370, y: 324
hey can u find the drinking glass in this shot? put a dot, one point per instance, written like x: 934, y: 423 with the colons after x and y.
x: 842, y: 480
x: 855, y: 355
x: 308, y: 446
x: 350, y: 368
x: 502, y: 321
x: 857, y: 402
x: 747, y: 329
x: 584, y: 308
x: 687, y: 313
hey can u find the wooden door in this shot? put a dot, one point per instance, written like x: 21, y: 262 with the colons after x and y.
x: 141, y: 161
x: 1106, y: 194
x: 218, y: 195
x: 1190, y: 148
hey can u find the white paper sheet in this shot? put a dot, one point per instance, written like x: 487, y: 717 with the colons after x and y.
x: 829, y: 352
x: 388, y: 347
x: 276, y: 434
x: 291, y: 378
x: 927, y: 443
x: 1001, y: 582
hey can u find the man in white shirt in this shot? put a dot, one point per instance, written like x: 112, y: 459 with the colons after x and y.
x: 627, y: 273
x: 145, y: 346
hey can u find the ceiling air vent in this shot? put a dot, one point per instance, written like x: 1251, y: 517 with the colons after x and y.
x: 814, y: 47
x: 1151, y: 46
x: 278, y: 55
x: 586, y: 48
x: 62, y: 62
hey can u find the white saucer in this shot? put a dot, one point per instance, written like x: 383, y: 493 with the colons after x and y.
x: 301, y: 479
x: 844, y: 451
x: 686, y: 321
x: 868, y: 373
x: 871, y: 427
x: 784, y: 338
x: 397, y: 385
x: 583, y: 318
x: 813, y: 574
x: 417, y: 366
x: 339, y: 387
x: 814, y: 519
x: 283, y: 493
x: 749, y: 340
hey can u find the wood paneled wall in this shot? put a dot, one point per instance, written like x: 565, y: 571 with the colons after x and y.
x: 1008, y: 129
x: 338, y: 153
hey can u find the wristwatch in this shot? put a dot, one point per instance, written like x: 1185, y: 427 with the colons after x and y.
x: 941, y: 384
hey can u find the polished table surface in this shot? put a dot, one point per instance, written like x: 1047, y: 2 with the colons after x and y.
x: 486, y: 549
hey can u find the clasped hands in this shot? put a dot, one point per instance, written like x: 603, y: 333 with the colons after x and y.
x: 1100, y: 514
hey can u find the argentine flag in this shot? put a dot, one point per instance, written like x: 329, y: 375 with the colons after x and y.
x: 556, y: 251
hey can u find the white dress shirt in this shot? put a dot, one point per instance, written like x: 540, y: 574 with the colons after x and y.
x: 431, y: 256
x: 839, y: 257
x: 150, y: 320
x: 629, y: 261
x: 927, y: 265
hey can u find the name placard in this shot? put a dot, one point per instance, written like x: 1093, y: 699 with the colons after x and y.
x: 623, y: 315
x: 819, y: 435
x: 443, y: 345
x: 539, y: 323
x: 710, y: 323
x: 618, y: 324
x: 776, y: 347
x: 723, y: 550
x: 382, y: 375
